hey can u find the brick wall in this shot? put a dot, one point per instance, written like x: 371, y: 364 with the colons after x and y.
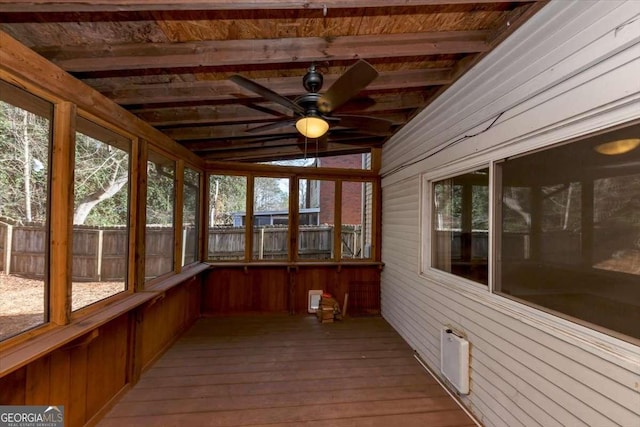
x: 351, y: 191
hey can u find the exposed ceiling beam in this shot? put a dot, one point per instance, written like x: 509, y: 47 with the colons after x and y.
x: 292, y: 151
x: 225, y: 90
x: 387, y: 105
x: 281, y: 140
x: 146, y: 5
x: 225, y: 132
x: 139, y: 56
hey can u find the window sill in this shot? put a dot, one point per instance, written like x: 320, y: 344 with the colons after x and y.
x: 52, y: 337
x: 174, y: 280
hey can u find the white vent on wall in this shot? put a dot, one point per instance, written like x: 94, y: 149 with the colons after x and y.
x: 314, y: 300
x: 454, y: 359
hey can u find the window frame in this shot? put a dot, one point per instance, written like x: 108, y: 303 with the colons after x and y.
x: 132, y: 154
x: 42, y: 106
x: 427, y: 232
x: 550, y: 319
x: 177, y: 217
x: 295, y: 175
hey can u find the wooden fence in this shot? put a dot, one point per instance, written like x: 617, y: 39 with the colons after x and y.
x: 271, y: 242
x: 100, y: 253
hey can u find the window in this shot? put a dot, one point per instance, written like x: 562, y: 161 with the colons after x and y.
x: 25, y: 135
x: 159, y: 237
x: 569, y: 237
x: 227, y: 210
x: 190, y: 216
x: 100, y: 215
x: 316, y: 200
x: 270, y: 210
x: 356, y: 214
x: 460, y: 225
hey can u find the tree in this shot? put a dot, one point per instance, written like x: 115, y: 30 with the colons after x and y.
x: 101, y: 173
x: 24, y: 154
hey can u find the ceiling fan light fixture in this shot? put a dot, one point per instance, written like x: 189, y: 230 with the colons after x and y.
x: 619, y: 146
x: 312, y: 126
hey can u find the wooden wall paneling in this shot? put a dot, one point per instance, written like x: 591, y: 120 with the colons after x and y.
x: 271, y: 289
x: 12, y: 388
x: 165, y: 318
x: 254, y: 289
x: 37, y: 388
x: 106, y: 365
x: 61, y: 215
x: 60, y: 378
x: 76, y: 409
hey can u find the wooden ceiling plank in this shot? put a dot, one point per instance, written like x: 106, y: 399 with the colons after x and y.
x: 139, y: 56
x: 225, y: 90
x: 41, y: 6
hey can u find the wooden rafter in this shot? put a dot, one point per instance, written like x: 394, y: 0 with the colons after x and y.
x: 168, y: 5
x: 387, y: 104
x: 140, y: 56
x: 227, y: 91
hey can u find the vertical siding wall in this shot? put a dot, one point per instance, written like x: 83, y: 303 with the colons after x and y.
x: 572, y: 70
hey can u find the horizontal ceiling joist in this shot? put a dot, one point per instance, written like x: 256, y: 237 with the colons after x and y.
x: 388, y: 104
x: 285, y: 139
x: 147, y: 5
x: 292, y: 151
x: 227, y: 91
x: 220, y: 132
x: 216, y: 53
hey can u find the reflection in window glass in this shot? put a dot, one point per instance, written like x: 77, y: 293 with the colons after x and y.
x: 190, y: 216
x: 227, y: 210
x: 316, y: 220
x: 100, y: 215
x: 159, y: 238
x: 570, y: 235
x: 460, y: 238
x: 270, y: 218
x: 25, y: 130
x: 356, y: 213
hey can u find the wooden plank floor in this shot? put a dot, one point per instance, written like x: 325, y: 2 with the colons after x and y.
x: 278, y: 370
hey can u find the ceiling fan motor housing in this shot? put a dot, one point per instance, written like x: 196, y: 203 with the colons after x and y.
x: 312, y: 81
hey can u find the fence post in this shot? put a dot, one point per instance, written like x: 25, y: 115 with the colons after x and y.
x: 261, y: 250
x: 8, y: 241
x: 100, y: 244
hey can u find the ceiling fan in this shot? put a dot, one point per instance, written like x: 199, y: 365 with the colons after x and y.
x: 313, y: 110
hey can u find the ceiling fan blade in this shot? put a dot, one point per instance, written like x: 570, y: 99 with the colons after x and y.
x: 366, y: 124
x: 266, y: 93
x: 271, y: 126
x: 356, y: 78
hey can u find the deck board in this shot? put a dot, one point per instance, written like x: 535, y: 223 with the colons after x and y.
x: 278, y: 370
